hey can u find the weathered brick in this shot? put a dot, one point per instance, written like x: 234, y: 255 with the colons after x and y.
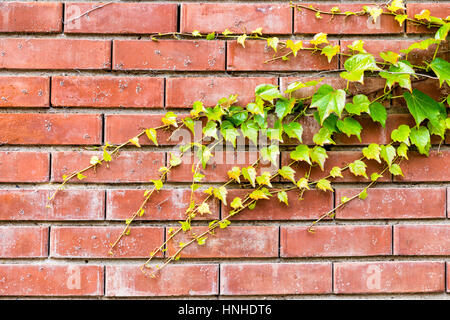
x: 172, y: 55
x: 389, y: 277
x: 336, y: 241
x: 127, y: 168
x: 313, y: 205
x: 275, y: 278
x: 24, y: 91
x: 25, y: 205
x: 183, y: 92
x: 422, y: 168
x: 108, y: 92
x: 31, y: 17
x: 121, y: 18
x: 40, y: 53
x: 236, y: 17
x: 24, y: 166
x: 393, y: 203
x: 94, y: 242
x: 51, y: 280
x: 170, y: 204
x: 51, y: 129
x: 305, y: 21
x: 256, y: 52
x: 173, y: 280
x: 420, y: 240
x: 23, y: 242
x: 233, y: 242
x: 440, y: 10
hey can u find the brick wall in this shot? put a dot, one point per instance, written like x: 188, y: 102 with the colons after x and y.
x: 99, y: 78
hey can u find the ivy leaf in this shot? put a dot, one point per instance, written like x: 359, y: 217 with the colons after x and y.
x: 273, y: 43
x: 375, y: 176
x: 268, y: 92
x: 303, y: 183
x: 420, y: 137
x: 422, y: 107
x: 158, y: 184
x: 357, y: 45
x: 294, y: 130
x: 185, y: 225
x: 106, y: 156
x: 363, y: 194
x: 396, y: 170
x: 396, y: 5
x: 400, y: 18
x: 256, y: 108
x: 264, y: 179
x: 297, y: 85
x: 387, y: 153
x: 287, y: 173
x: 282, y: 196
x: 201, y: 241
x: 94, y: 160
x: 421, y: 45
x: 236, y: 203
x: 135, y: 141
x: 215, y: 113
x: 221, y: 194
x: 402, y: 151
x: 259, y: 194
x: 357, y: 64
x: 276, y: 133
x: 390, y: 56
x: 372, y: 152
x: 374, y: 12
x: 400, y: 74
x: 442, y: 32
x: 249, y: 173
x: 401, y: 134
x: 336, y: 172
x: 174, y: 160
x: 250, y: 131
x: 241, y: 40
x: 319, y: 39
x: 328, y: 100
x: 284, y: 106
x: 210, y: 36
x: 189, y: 123
x: 197, y: 108
x: 224, y: 223
x: 301, y: 153
x: 324, y: 185
x: 210, y: 130
x: 323, y: 137
x: 170, y: 119
x: 442, y: 69
x: 318, y: 155
x: 360, y: 104
x: 378, y: 113
x: 423, y: 15
x: 270, y: 154
x: 152, y: 135
x: 295, y: 47
x: 229, y: 132
x: 358, y: 168
x: 350, y: 126
x: 331, y: 51
x: 440, y: 130
x: 234, y: 174
x: 204, y: 154
x: 80, y: 176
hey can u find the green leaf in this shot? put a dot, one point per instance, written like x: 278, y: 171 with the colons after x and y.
x: 80, y: 176
x: 318, y: 155
x: 360, y: 104
x: 336, y: 172
x: 215, y: 113
x: 440, y: 130
x: 157, y: 183
x: 387, y: 153
x: 442, y: 32
x: 273, y: 43
x: 234, y: 174
x: 363, y: 194
x: 259, y: 194
x: 330, y: 51
x: 276, y: 133
x: 201, y: 241
x: 185, y: 225
x: 250, y: 131
x: 249, y: 173
x: 270, y: 154
x: 301, y: 153
x: 372, y: 152
x: 400, y: 74
x: 378, y: 113
x: 152, y: 135
x: 106, y: 156
x: 282, y: 196
x: 287, y: 173
x: 135, y: 141
x: 402, y: 151
x: 297, y: 85
x: 224, y: 223
x: 294, y: 130
x: 295, y: 47
x: 174, y: 160
x: 197, y: 108
x: 390, y: 56
x: 357, y: 64
x: 328, y: 100
x: 264, y: 179
x: 442, y: 69
x: 323, y: 137
x: 420, y: 137
x: 303, y: 183
x: 357, y: 45
x: 221, y: 194
x: 170, y: 119
x: 284, y: 106
x: 211, y: 36
x: 396, y: 170
x: 358, y: 168
x: 375, y: 176
x: 401, y: 134
x: 422, y: 107
x: 229, y: 132
x: 324, y: 185
x: 350, y: 126
x: 210, y: 130
x: 268, y: 92
x: 421, y: 45
x: 256, y: 108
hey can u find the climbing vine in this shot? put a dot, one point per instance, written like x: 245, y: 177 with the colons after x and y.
x: 277, y: 116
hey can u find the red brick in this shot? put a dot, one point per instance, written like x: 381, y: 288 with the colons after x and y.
x: 172, y: 55
x: 233, y: 242
x: 51, y: 280
x: 236, y: 17
x: 121, y: 18
x: 448, y: 278
x: 388, y: 277
x: 339, y: 159
x: 129, y: 167
x: 31, y: 17
x: 422, y: 240
x: 25, y: 53
x: 336, y: 241
x: 440, y: 10
x: 25, y: 205
x: 108, y: 92
x: 305, y: 21
x: 164, y: 205
x: 421, y: 168
x: 173, y: 280
x: 393, y: 203
x: 23, y: 242
x: 94, y: 242
x: 24, y: 92
x: 256, y: 52
x: 275, y: 278
x: 51, y: 129
x: 217, y: 168
x: 183, y: 92
x: 313, y: 205
x: 24, y: 166
x: 121, y: 127
x: 416, y: 56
